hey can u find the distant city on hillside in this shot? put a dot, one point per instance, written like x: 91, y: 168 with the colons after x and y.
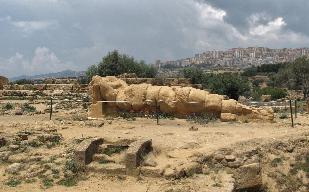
x: 238, y: 58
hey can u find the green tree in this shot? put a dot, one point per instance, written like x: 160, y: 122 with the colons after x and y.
x: 228, y: 84
x: 232, y: 85
x: 91, y: 71
x: 300, y: 70
x: 114, y: 64
x: 194, y: 74
x: 295, y: 76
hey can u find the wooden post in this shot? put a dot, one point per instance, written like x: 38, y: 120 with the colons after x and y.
x: 51, y: 108
x: 295, y: 109
x: 157, y: 112
x: 291, y: 113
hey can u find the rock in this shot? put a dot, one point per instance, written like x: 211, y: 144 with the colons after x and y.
x: 19, y: 112
x: 152, y: 172
x: 149, y: 162
x: 266, y: 98
x: 234, y: 164
x: 183, y: 170
x: 4, y: 156
x: 169, y: 173
x: 135, y: 153
x: 218, y: 157
x: 14, y: 168
x: 22, y: 136
x: 2, y: 141
x: 228, y: 117
x: 230, y: 158
x: 191, y: 168
x: 205, y: 169
x: 14, y: 147
x: 248, y: 177
x: 193, y: 128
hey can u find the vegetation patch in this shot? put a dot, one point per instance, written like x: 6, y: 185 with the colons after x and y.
x: 301, y: 165
x: 72, y: 165
x: 8, y: 106
x: 201, y: 119
x: 68, y: 181
x: 110, y: 150
x: 28, y: 108
x: 47, y: 183
x: 13, y: 182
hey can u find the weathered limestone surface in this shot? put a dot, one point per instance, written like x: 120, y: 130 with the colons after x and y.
x: 86, y: 149
x: 248, y: 177
x: 135, y: 153
x: 175, y: 100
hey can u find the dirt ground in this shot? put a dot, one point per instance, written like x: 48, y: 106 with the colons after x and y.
x: 172, y: 140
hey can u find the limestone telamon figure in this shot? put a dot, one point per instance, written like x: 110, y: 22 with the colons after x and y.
x: 110, y: 94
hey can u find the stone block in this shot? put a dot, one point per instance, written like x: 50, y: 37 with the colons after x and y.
x: 136, y: 152
x: 86, y: 149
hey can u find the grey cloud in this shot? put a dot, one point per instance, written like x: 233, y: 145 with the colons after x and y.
x: 80, y: 32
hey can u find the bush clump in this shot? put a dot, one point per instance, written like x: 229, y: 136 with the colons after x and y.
x: 275, y: 93
x: 28, y: 108
x: 8, y: 106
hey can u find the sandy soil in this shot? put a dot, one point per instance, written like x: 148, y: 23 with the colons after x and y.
x: 172, y: 140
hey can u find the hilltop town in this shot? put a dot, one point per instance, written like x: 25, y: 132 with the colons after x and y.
x: 238, y: 58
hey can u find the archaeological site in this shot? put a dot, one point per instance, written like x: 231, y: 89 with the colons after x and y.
x: 130, y: 134
x: 154, y: 96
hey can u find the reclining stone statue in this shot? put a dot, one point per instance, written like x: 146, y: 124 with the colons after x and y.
x: 110, y: 94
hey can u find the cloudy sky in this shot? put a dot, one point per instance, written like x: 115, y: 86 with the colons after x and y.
x: 39, y: 36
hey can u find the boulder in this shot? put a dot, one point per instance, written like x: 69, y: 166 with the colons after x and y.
x: 228, y: 117
x: 248, y: 177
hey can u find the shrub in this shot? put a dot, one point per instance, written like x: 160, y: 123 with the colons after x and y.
x: 13, y: 182
x: 68, y: 181
x: 8, y: 106
x: 72, y: 165
x: 48, y: 182
x: 283, y: 116
x: 276, y: 93
x: 28, y: 108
